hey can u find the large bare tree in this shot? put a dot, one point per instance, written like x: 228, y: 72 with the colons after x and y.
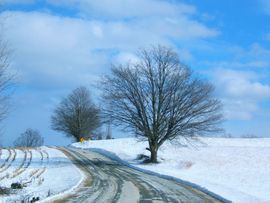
x: 30, y: 138
x: 76, y: 115
x: 159, y: 99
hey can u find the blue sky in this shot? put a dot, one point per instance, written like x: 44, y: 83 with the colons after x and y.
x: 59, y: 44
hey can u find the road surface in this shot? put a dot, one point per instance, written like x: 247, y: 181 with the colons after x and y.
x: 110, y: 181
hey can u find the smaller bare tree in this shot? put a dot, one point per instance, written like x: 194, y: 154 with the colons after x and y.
x: 76, y: 116
x: 30, y: 138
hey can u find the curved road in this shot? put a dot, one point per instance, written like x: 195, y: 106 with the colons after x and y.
x: 110, y: 181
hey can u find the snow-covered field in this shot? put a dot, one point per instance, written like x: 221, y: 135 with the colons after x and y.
x: 44, y: 172
x: 237, y: 169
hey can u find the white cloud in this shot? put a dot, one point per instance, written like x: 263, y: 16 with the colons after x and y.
x: 98, y: 31
x: 240, y: 92
x: 242, y: 80
x: 164, y: 17
x: 67, y: 50
x: 126, y: 57
x: 239, y: 109
x: 243, y: 84
x: 55, y: 49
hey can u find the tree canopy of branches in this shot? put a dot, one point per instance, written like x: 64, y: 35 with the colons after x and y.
x: 159, y: 99
x: 30, y: 138
x: 76, y: 115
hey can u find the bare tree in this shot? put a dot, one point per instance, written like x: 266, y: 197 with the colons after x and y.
x: 6, y: 77
x: 30, y: 138
x: 76, y: 116
x: 159, y: 99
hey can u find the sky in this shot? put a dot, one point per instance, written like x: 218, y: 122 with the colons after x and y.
x: 58, y: 45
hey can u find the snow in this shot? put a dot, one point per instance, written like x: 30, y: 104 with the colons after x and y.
x: 46, y: 172
x: 237, y: 169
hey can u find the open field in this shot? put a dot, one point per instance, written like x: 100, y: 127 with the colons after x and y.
x: 42, y: 172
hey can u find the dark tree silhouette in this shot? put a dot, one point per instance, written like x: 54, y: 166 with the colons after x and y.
x: 159, y: 99
x: 76, y: 115
x: 30, y: 138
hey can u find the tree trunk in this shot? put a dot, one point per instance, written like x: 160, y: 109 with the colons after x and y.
x: 153, y: 150
x: 78, y: 138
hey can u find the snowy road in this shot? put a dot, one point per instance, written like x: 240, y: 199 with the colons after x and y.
x: 110, y: 181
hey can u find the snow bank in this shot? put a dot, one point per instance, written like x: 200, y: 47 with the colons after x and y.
x: 237, y: 169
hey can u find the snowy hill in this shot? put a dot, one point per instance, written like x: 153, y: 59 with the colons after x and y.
x: 237, y: 169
